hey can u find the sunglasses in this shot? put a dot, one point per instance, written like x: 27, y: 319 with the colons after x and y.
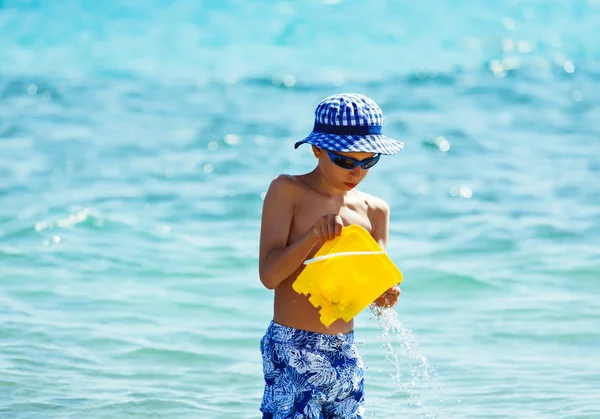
x: 350, y: 163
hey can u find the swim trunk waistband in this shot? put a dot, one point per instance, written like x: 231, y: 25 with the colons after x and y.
x: 304, y: 338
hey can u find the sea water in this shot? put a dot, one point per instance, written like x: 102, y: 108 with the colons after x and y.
x: 138, y: 138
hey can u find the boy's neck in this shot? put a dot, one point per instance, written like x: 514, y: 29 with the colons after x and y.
x: 322, y: 186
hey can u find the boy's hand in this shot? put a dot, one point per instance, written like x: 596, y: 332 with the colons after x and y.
x: 388, y: 298
x: 328, y: 227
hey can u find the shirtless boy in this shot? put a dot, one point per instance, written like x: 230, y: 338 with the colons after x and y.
x: 312, y: 371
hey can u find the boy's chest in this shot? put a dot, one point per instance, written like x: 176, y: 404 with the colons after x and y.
x: 308, y: 214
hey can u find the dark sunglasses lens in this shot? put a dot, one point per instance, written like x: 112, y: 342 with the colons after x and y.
x: 371, y: 163
x: 344, y: 163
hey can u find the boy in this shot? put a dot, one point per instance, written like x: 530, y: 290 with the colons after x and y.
x: 312, y: 371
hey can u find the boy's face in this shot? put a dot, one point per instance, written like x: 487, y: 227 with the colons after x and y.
x: 339, y: 177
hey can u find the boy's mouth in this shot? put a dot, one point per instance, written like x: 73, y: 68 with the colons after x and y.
x: 350, y: 185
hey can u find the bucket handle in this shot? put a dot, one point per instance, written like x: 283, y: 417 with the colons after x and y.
x: 335, y: 255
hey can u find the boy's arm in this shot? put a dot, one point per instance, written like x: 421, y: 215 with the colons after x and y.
x: 277, y: 260
x: 380, y: 220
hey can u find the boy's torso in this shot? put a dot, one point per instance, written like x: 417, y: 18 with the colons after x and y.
x: 293, y: 309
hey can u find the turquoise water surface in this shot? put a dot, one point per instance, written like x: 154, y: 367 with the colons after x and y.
x: 137, y: 140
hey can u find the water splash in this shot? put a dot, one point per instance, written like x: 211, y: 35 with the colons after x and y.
x: 419, y: 381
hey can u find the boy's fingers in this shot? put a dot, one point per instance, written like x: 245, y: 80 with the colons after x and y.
x: 328, y: 233
x: 329, y: 227
x: 321, y: 233
x: 383, y: 302
x: 338, y: 229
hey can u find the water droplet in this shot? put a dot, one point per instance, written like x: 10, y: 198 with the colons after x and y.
x: 263, y: 195
x: 465, y: 192
x: 31, y: 89
x: 569, y: 67
x: 56, y: 239
x: 231, y: 139
x: 208, y: 168
x: 289, y: 81
x: 442, y: 143
x: 41, y: 225
x: 213, y: 145
x: 497, y: 68
x: 46, y: 96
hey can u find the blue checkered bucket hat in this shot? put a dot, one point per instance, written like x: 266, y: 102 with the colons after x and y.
x: 352, y: 123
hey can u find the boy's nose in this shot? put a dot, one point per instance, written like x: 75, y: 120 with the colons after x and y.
x: 356, y: 172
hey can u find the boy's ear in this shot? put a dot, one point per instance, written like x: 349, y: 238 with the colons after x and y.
x: 316, y: 151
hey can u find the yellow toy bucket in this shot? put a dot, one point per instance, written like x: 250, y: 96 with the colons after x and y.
x: 346, y: 275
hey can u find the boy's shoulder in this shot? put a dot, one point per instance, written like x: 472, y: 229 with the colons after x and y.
x: 374, y: 203
x: 288, y: 183
x: 284, y: 186
x: 284, y: 182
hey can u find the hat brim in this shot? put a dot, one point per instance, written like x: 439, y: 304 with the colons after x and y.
x: 379, y: 144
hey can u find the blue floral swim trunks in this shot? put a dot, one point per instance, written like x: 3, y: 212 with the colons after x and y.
x: 311, y: 375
